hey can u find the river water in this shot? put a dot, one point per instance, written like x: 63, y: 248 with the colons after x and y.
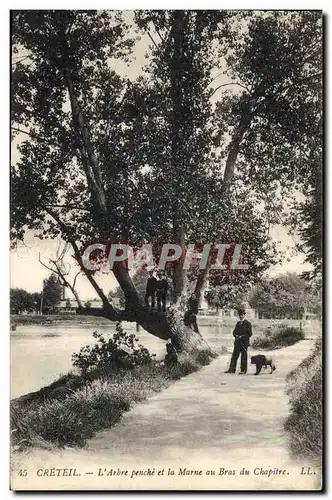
x: 40, y: 353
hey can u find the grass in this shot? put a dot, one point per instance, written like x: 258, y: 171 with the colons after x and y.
x: 277, y: 336
x: 72, y: 410
x: 304, y: 424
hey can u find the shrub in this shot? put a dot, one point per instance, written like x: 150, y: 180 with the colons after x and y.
x: 277, y: 336
x: 121, y: 351
x: 304, y: 424
x: 203, y: 358
x: 184, y: 367
x: 297, y: 378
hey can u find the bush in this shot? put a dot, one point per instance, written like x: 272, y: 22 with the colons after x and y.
x: 118, y: 352
x: 203, y: 358
x: 185, y: 366
x: 297, y: 378
x: 277, y: 336
x: 304, y: 424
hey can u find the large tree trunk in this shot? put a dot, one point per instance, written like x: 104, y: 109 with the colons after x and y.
x: 166, y: 326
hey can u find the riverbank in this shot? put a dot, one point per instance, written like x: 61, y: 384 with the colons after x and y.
x: 207, y: 421
x: 53, y: 319
x: 74, y: 408
x: 203, y: 320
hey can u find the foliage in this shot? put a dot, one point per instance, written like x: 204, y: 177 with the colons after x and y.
x: 279, y: 63
x: 119, y: 351
x: 287, y: 295
x: 22, y: 301
x: 277, y: 336
x: 304, y: 423
x: 112, y: 295
x: 51, y: 293
x: 226, y: 295
x: 307, y: 220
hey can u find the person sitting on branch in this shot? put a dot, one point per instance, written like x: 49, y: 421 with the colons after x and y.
x: 162, y: 288
x: 150, y: 291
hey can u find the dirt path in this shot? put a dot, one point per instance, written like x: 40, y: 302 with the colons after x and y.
x: 206, y: 421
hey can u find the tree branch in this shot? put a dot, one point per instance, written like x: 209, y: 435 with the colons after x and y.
x: 152, y: 40
x: 61, y: 275
x: 78, y: 258
x: 20, y: 59
x: 31, y: 134
x: 73, y: 207
x: 156, y: 30
x: 228, y: 84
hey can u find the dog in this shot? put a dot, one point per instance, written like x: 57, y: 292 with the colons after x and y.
x: 260, y: 360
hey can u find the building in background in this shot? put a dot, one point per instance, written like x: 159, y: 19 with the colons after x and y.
x: 69, y: 306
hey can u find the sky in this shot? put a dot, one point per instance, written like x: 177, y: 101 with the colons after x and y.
x: 28, y: 273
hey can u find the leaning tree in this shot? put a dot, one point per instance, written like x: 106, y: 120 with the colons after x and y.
x: 171, y: 156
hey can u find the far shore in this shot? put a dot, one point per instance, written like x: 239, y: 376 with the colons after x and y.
x: 203, y: 320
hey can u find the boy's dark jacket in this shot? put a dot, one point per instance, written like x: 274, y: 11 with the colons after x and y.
x: 242, y: 332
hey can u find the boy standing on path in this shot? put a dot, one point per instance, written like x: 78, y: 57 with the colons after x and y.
x: 242, y: 333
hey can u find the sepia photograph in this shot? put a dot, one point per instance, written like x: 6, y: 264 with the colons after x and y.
x: 166, y: 250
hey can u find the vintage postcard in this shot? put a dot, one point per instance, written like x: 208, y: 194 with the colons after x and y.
x: 166, y: 250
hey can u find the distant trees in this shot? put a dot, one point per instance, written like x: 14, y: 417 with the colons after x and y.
x: 19, y: 300
x: 219, y: 298
x: 22, y: 301
x: 51, y: 294
x: 286, y: 295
